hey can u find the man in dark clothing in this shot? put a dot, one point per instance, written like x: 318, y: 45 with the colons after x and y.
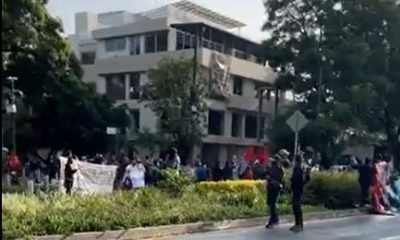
x: 69, y: 172
x: 364, y: 179
x: 300, y: 176
x: 274, y: 176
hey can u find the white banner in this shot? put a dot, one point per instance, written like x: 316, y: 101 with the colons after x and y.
x: 89, y: 177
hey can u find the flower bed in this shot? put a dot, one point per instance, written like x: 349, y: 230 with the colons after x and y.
x: 27, y: 215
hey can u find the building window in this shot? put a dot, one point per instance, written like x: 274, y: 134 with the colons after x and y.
x: 184, y: 40
x: 162, y: 41
x: 237, y: 85
x: 156, y: 42
x: 134, y: 45
x: 88, y: 58
x: 115, y: 44
x: 134, y: 85
x: 236, y: 128
x: 250, y: 130
x: 150, y: 43
x: 215, y: 122
x: 134, y: 120
x: 115, y: 87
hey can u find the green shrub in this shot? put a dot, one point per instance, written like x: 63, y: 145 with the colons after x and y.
x: 25, y: 215
x: 173, y: 182
x: 332, y: 190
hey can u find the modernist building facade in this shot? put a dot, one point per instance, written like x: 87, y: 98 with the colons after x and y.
x: 117, y: 49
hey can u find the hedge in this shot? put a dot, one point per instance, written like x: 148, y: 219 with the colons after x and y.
x: 330, y: 189
x: 28, y: 215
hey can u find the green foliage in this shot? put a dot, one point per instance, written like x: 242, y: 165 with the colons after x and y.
x: 321, y: 134
x: 59, y: 110
x: 27, y: 215
x: 179, y: 102
x: 173, y: 182
x: 332, y: 190
x: 58, y: 214
x: 350, y: 50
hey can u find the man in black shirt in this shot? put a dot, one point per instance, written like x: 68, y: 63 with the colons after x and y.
x: 364, y: 178
x: 274, y: 176
x: 300, y: 176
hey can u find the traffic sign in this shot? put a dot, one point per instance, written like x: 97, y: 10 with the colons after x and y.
x: 297, y: 121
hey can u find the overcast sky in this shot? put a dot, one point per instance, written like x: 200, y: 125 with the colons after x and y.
x: 251, y: 12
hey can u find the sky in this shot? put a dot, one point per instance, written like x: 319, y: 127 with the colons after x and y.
x: 250, y: 12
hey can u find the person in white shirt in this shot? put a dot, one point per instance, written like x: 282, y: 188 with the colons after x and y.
x: 135, y: 175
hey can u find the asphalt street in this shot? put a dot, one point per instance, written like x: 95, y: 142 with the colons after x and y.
x: 371, y: 227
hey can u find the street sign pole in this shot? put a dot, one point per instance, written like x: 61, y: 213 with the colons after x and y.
x: 296, y: 122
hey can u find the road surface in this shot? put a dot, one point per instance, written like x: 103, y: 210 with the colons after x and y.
x: 371, y: 227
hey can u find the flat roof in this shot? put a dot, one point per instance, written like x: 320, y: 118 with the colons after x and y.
x: 213, y: 16
x: 201, y: 24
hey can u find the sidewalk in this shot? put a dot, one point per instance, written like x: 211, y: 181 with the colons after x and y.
x: 199, y: 227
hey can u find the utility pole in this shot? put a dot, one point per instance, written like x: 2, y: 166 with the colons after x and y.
x: 12, y: 110
x: 319, y: 85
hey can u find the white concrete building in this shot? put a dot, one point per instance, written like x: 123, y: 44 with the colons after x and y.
x: 116, y: 50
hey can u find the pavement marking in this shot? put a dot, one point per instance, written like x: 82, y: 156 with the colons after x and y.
x: 391, y: 238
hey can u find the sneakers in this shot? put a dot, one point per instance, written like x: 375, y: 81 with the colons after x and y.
x: 296, y: 229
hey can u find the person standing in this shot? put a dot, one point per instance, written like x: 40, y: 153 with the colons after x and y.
x: 364, y: 179
x: 300, y: 177
x: 274, y: 177
x: 69, y: 172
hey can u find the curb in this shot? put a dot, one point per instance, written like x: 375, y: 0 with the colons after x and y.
x: 181, y: 229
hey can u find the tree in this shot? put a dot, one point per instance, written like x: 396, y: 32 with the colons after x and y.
x: 59, y: 110
x: 340, y: 58
x: 178, y: 101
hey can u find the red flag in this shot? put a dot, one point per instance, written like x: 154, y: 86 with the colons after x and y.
x: 249, y: 154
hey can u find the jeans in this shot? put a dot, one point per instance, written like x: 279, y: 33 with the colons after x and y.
x: 296, y: 207
x: 272, y: 198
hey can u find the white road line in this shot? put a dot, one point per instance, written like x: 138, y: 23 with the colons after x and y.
x: 391, y: 238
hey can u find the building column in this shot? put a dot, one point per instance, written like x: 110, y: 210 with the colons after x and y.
x: 127, y: 83
x: 222, y: 155
x: 227, y: 124
x: 242, y: 125
x: 171, y: 39
x: 142, y: 44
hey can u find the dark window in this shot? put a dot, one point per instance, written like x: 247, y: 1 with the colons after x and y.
x: 215, y: 122
x: 236, y: 125
x: 237, y: 85
x: 150, y: 43
x: 115, y: 87
x: 250, y: 130
x: 162, y: 41
x: 88, y: 58
x: 134, y: 85
x: 135, y: 120
x: 134, y: 45
x: 156, y: 42
x: 115, y: 44
x: 184, y: 40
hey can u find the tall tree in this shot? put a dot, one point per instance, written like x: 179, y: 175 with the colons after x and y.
x: 341, y: 57
x: 178, y: 101
x: 59, y: 110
